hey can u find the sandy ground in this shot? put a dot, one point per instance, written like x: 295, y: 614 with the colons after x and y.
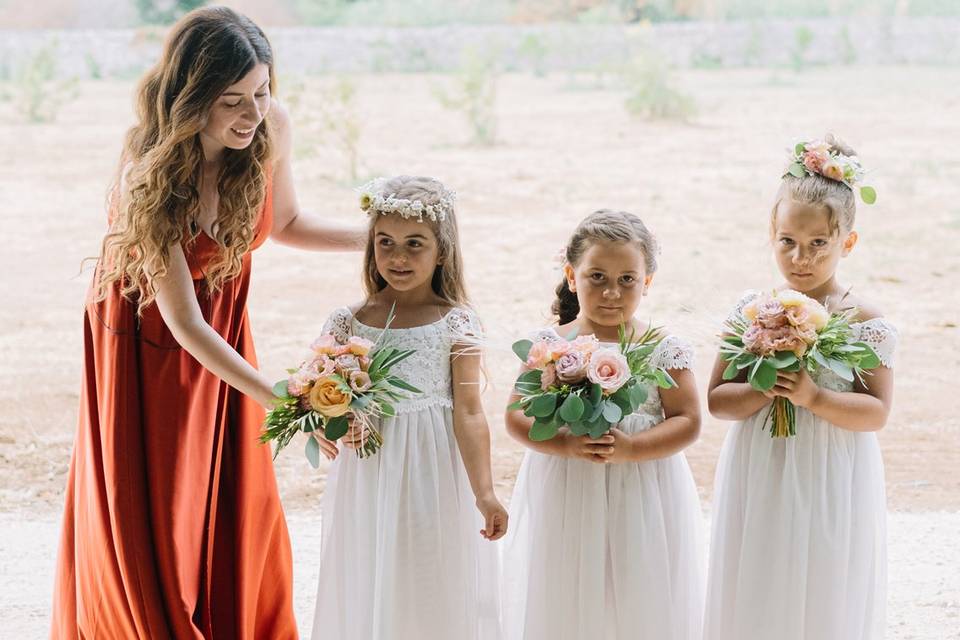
x: 923, y: 598
x: 566, y: 148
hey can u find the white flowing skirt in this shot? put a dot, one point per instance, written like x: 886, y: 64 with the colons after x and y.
x: 401, y: 556
x: 600, y: 552
x: 798, y: 547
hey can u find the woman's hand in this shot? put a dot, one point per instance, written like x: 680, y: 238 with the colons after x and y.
x: 356, y: 435
x: 327, y: 447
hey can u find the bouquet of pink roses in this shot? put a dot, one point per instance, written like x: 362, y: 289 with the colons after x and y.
x: 339, y: 381
x: 787, y: 331
x: 580, y: 383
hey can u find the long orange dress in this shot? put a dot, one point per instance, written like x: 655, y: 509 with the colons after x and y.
x: 173, y: 526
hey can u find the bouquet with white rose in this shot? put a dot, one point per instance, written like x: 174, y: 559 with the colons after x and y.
x: 580, y: 383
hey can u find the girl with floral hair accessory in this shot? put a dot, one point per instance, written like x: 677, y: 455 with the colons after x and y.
x: 605, y: 532
x: 401, y: 554
x: 798, y: 549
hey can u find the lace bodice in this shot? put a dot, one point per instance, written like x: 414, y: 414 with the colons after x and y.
x: 428, y: 369
x: 673, y: 352
x: 878, y: 333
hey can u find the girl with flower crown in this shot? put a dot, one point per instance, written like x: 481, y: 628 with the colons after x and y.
x: 401, y: 557
x: 798, y: 547
x: 605, y: 533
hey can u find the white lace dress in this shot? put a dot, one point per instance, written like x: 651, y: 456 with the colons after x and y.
x: 401, y: 556
x: 798, y: 547
x: 604, y: 552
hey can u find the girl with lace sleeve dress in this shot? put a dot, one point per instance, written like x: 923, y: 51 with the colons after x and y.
x: 798, y: 547
x: 402, y: 553
x: 605, y: 533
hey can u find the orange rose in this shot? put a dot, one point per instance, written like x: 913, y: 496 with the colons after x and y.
x: 328, y: 399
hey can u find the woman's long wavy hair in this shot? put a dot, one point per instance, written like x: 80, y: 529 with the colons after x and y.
x: 155, y: 199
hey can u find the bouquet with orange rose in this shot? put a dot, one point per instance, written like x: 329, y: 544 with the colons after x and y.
x: 582, y: 384
x: 339, y: 382
x: 788, y: 331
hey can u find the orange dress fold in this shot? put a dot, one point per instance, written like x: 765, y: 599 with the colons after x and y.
x: 172, y: 525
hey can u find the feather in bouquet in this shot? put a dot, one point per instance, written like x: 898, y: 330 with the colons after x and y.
x: 580, y: 383
x: 340, y: 381
x: 788, y: 331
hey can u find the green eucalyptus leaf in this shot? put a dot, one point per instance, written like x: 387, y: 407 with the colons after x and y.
x: 638, y: 395
x: 782, y: 359
x: 572, y: 409
x: 764, y: 377
x: 312, y: 451
x: 842, y: 369
x: 731, y: 371
x: 579, y: 428
x: 543, y: 406
x: 612, y: 412
x: 522, y: 348
x: 541, y: 431
x: 280, y: 389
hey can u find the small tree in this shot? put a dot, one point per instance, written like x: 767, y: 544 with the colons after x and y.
x: 475, y: 94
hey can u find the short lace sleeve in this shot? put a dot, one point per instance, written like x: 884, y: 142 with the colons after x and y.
x: 880, y: 335
x: 339, y: 324
x: 745, y: 299
x: 673, y: 353
x: 464, y: 325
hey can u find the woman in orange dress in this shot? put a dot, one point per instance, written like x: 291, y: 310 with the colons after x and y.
x: 173, y: 526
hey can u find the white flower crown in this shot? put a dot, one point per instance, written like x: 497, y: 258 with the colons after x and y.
x: 373, y: 199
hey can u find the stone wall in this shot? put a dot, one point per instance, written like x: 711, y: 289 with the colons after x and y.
x: 541, y: 48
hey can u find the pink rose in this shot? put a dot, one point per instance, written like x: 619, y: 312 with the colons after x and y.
x: 548, y: 377
x: 306, y: 375
x: 814, y: 161
x: 751, y: 338
x: 572, y: 367
x: 770, y: 314
x: 364, y: 363
x: 585, y: 344
x: 360, y: 381
x: 325, y: 344
x: 296, y: 385
x: 348, y: 362
x: 609, y: 369
x: 787, y: 339
x: 539, y: 355
x: 341, y: 350
x: 359, y: 346
x: 324, y: 364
